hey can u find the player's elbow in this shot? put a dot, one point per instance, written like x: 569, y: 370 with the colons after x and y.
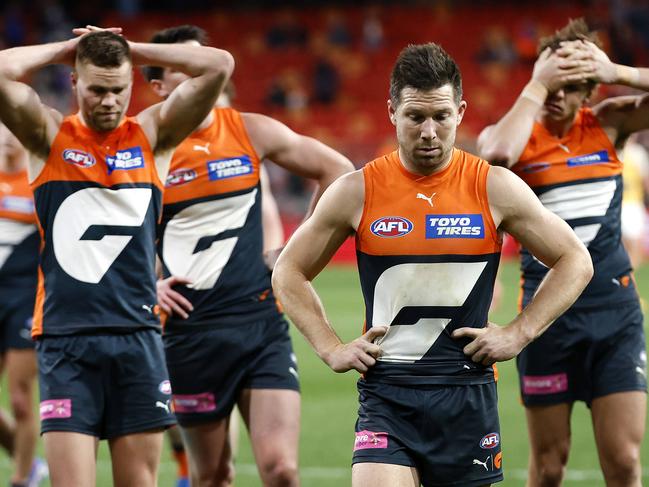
x: 497, y: 154
x: 583, y: 265
x: 221, y: 63
x: 341, y: 165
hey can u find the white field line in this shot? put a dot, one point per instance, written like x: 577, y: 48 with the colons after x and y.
x: 250, y: 470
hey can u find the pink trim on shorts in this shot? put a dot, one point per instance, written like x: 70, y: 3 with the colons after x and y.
x: 194, y: 403
x: 369, y: 440
x: 545, y: 384
x: 56, y: 409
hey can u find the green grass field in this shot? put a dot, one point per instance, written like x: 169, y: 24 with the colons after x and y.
x: 329, y: 404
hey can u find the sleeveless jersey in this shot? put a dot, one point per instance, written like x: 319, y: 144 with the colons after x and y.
x: 428, y: 252
x: 211, y: 228
x: 98, y: 201
x: 579, y: 178
x: 19, y: 239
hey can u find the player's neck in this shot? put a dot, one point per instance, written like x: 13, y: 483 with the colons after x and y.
x: 206, y: 122
x: 558, y: 128
x: 427, y: 170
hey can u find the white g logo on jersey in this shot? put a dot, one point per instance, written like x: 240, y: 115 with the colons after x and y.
x: 89, y: 260
x: 419, y: 284
x: 199, y: 221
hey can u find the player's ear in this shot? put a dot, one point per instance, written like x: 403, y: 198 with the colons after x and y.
x: 460, y: 111
x: 73, y: 78
x: 159, y: 88
x: 392, y: 113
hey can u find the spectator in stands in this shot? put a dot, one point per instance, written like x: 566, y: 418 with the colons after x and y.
x: 326, y: 81
x: 337, y: 30
x: 286, y: 32
x: 372, y: 30
x: 497, y: 47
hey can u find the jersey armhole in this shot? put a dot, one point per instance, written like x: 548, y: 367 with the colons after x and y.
x: 367, y: 182
x: 483, y: 193
x: 154, y: 171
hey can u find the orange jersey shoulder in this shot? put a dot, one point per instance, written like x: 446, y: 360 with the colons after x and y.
x: 445, y: 213
x: 78, y: 153
x: 585, y: 152
x: 16, y: 199
x: 217, y: 159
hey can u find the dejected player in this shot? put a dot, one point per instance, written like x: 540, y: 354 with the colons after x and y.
x: 595, y: 352
x: 428, y: 220
x: 97, y: 181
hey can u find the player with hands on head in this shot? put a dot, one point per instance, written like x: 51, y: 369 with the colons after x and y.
x: 566, y: 152
x: 428, y: 222
x: 97, y: 182
x: 212, y: 234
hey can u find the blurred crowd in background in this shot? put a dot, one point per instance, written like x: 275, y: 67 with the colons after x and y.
x: 323, y: 67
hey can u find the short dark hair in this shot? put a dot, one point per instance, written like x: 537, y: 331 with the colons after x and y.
x: 576, y: 29
x: 104, y: 49
x: 424, y: 67
x: 174, y: 35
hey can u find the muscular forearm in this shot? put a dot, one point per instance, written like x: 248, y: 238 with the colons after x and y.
x: 505, y: 141
x: 17, y: 62
x: 303, y: 306
x: 557, y: 292
x: 189, y: 59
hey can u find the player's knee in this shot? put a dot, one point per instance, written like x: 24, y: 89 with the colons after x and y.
x: 622, y: 467
x: 280, y: 472
x: 21, y: 406
x: 548, y: 468
x: 216, y: 475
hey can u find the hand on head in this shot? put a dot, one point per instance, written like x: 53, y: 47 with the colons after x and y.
x: 79, y: 31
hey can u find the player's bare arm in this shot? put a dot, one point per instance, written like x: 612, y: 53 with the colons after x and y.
x: 503, y: 143
x: 335, y: 218
x: 623, y: 115
x: 271, y: 222
x: 299, y: 154
x: 21, y: 110
x: 169, y: 122
x: 517, y: 211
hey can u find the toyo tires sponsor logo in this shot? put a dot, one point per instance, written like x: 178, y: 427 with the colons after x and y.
x: 391, y: 226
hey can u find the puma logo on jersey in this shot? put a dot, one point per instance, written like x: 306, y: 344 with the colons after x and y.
x: 484, y: 464
x: 148, y: 308
x: 421, y: 196
x: 5, y: 187
x: 201, y: 148
x: 165, y: 406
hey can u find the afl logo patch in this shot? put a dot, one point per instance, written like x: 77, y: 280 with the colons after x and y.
x: 78, y: 158
x: 180, y: 176
x: 165, y: 387
x: 391, y: 226
x: 492, y: 440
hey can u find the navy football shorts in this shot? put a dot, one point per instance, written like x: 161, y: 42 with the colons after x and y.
x: 449, y: 433
x: 16, y: 312
x: 210, y: 365
x: 584, y: 355
x: 104, y: 385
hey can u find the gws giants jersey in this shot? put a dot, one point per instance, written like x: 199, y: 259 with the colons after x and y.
x: 98, y: 201
x: 579, y: 178
x: 211, y: 229
x: 19, y: 239
x: 428, y: 252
